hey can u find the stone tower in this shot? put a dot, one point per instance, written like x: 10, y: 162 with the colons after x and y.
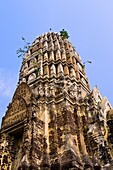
x: 54, y: 121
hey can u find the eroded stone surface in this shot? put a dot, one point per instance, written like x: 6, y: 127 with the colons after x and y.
x: 54, y: 121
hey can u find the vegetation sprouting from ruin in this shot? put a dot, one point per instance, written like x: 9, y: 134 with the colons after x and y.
x: 64, y: 34
x: 22, y: 51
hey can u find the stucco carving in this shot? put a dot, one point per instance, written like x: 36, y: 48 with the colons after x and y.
x: 54, y: 121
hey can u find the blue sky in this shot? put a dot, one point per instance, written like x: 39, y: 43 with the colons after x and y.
x: 88, y: 22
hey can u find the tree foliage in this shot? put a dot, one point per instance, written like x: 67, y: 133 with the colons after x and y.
x: 86, y: 63
x: 22, y: 51
x: 64, y: 34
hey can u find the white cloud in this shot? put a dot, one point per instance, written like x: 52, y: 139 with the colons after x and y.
x: 7, y: 83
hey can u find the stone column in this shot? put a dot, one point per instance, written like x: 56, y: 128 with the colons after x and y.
x: 63, y: 55
x: 66, y: 70
x: 60, y: 69
x: 58, y: 55
x: 72, y: 72
x: 51, y: 57
x: 74, y: 63
x: 45, y: 56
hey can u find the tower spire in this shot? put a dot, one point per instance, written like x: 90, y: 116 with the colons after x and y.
x: 53, y: 121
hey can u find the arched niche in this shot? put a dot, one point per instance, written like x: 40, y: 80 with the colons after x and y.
x: 16, y: 112
x: 24, y: 91
x: 96, y: 94
x: 105, y: 104
x: 32, y: 76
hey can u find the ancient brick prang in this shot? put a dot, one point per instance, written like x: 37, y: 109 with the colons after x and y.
x: 54, y: 121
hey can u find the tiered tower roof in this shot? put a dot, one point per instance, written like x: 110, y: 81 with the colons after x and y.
x: 52, y: 57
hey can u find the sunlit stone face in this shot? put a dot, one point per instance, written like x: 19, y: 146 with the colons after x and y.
x: 54, y: 121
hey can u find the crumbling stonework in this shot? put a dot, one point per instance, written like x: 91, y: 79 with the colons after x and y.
x: 54, y: 121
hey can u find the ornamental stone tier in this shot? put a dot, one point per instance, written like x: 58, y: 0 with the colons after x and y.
x: 54, y: 121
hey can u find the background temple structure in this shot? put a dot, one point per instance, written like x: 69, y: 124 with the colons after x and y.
x: 54, y: 121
